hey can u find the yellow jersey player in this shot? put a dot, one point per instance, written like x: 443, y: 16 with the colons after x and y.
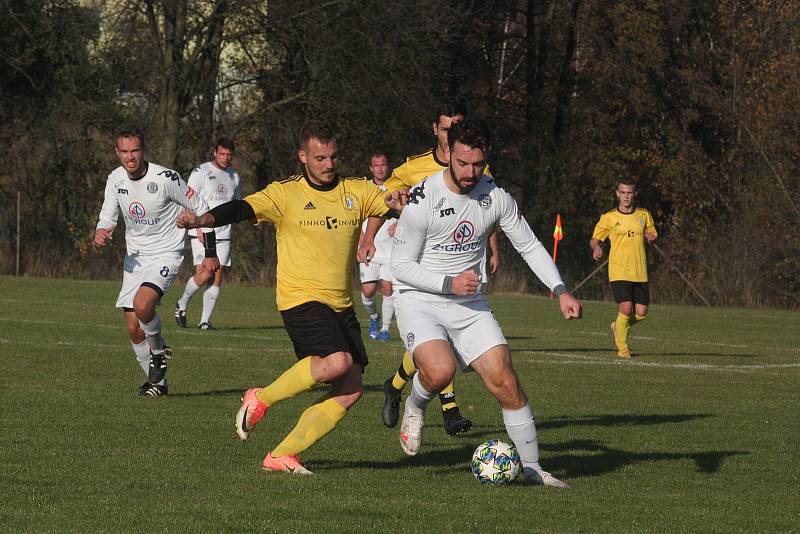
x: 413, y: 171
x: 627, y: 227
x: 317, y: 216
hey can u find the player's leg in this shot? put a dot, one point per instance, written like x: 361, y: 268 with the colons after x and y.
x: 498, y: 375
x: 387, y: 304
x: 393, y: 388
x: 623, y: 296
x: 641, y: 299
x: 435, y: 369
x: 369, y: 276
x: 210, y: 296
x: 193, y: 285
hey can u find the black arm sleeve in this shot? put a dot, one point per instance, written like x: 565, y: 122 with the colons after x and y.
x: 391, y: 214
x: 232, y: 212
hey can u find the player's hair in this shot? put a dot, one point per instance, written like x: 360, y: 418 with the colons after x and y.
x: 469, y: 131
x: 225, y: 142
x: 315, y: 129
x: 450, y: 108
x: 128, y: 130
x: 378, y: 154
x: 628, y: 181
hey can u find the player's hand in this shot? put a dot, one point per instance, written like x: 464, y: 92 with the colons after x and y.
x: 188, y: 219
x: 102, y: 236
x: 597, y: 253
x: 209, y: 265
x: 366, y: 251
x: 466, y: 283
x: 396, y: 200
x: 494, y: 263
x: 570, y: 306
x: 650, y: 236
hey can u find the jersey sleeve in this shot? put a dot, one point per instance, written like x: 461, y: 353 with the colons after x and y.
x: 180, y: 192
x: 237, y: 191
x: 196, y: 181
x: 407, y: 248
x: 268, y: 204
x: 602, y: 228
x: 398, y: 179
x: 372, y: 202
x: 525, y: 241
x: 649, y: 224
x: 110, y: 210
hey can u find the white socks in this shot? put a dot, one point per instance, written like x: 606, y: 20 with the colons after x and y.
x: 419, y: 397
x: 188, y: 293
x: 209, y: 301
x: 387, y: 312
x: 369, y: 305
x: 522, y: 430
x: 152, y: 332
x: 142, y: 352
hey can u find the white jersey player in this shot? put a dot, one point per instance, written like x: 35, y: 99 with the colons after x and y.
x: 217, y: 182
x: 149, y: 197
x: 439, y: 243
x: 377, y: 271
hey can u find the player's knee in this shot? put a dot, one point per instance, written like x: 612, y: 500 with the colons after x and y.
x: 135, y: 332
x: 335, y: 365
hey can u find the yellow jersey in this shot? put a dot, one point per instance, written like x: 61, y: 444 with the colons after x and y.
x: 317, y: 230
x: 627, y: 260
x: 415, y: 169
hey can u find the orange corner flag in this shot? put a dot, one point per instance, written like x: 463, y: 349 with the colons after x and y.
x: 558, y: 233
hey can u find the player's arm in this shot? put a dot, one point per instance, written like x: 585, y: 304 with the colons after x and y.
x: 601, y: 231
x: 107, y: 220
x: 494, y: 261
x: 523, y: 239
x: 650, y: 233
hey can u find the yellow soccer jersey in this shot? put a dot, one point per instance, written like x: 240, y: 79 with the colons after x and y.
x: 415, y: 169
x: 627, y: 260
x: 317, y: 229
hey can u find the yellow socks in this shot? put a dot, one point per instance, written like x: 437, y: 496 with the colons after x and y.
x: 448, y: 397
x: 295, y: 380
x: 622, y: 327
x: 404, y: 373
x: 313, y: 425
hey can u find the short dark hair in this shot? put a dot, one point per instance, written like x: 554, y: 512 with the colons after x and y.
x: 128, y: 130
x: 628, y: 181
x: 450, y: 108
x: 315, y: 129
x: 225, y: 142
x: 469, y: 131
x: 378, y: 154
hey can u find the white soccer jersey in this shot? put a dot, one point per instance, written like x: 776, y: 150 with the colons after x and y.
x: 216, y: 186
x: 441, y: 233
x: 382, y: 241
x: 150, y: 207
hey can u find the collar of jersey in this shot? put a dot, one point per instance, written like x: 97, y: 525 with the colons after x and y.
x: 327, y: 187
x: 146, y: 170
x: 433, y: 153
x: 631, y: 213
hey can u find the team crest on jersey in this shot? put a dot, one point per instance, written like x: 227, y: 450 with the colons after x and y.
x: 410, y: 340
x: 464, y: 232
x: 136, y: 210
x: 485, y: 201
x: 222, y: 189
x: 349, y: 202
x: 641, y: 221
x: 152, y: 187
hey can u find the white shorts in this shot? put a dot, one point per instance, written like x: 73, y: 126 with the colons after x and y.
x: 374, y: 272
x: 157, y: 271
x: 223, y: 251
x: 467, y: 323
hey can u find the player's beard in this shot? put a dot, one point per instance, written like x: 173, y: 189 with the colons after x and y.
x: 465, y: 190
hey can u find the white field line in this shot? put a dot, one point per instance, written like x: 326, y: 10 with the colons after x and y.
x: 579, y: 359
x: 180, y: 349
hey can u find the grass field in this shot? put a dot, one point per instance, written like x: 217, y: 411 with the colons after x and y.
x: 698, y: 432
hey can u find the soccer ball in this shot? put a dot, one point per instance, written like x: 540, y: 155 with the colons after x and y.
x: 496, y: 463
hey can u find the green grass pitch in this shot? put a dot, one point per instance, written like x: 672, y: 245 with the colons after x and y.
x: 698, y: 432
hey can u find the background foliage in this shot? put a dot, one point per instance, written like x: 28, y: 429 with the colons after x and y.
x: 696, y: 99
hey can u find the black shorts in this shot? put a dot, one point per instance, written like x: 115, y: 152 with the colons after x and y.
x: 317, y: 330
x: 636, y: 292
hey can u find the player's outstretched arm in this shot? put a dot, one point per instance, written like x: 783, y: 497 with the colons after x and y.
x: 366, y: 245
x: 189, y: 219
x: 103, y: 236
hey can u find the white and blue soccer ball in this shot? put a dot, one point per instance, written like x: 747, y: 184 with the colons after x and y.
x: 495, y: 463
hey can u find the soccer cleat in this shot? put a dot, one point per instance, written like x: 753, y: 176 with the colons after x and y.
x: 454, y: 422
x: 289, y: 463
x: 411, y: 431
x: 152, y: 390
x: 180, y: 316
x: 250, y: 413
x: 206, y: 326
x: 158, y: 365
x: 543, y: 478
x: 384, y: 335
x: 373, y: 328
x: 391, y: 404
x: 624, y: 353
